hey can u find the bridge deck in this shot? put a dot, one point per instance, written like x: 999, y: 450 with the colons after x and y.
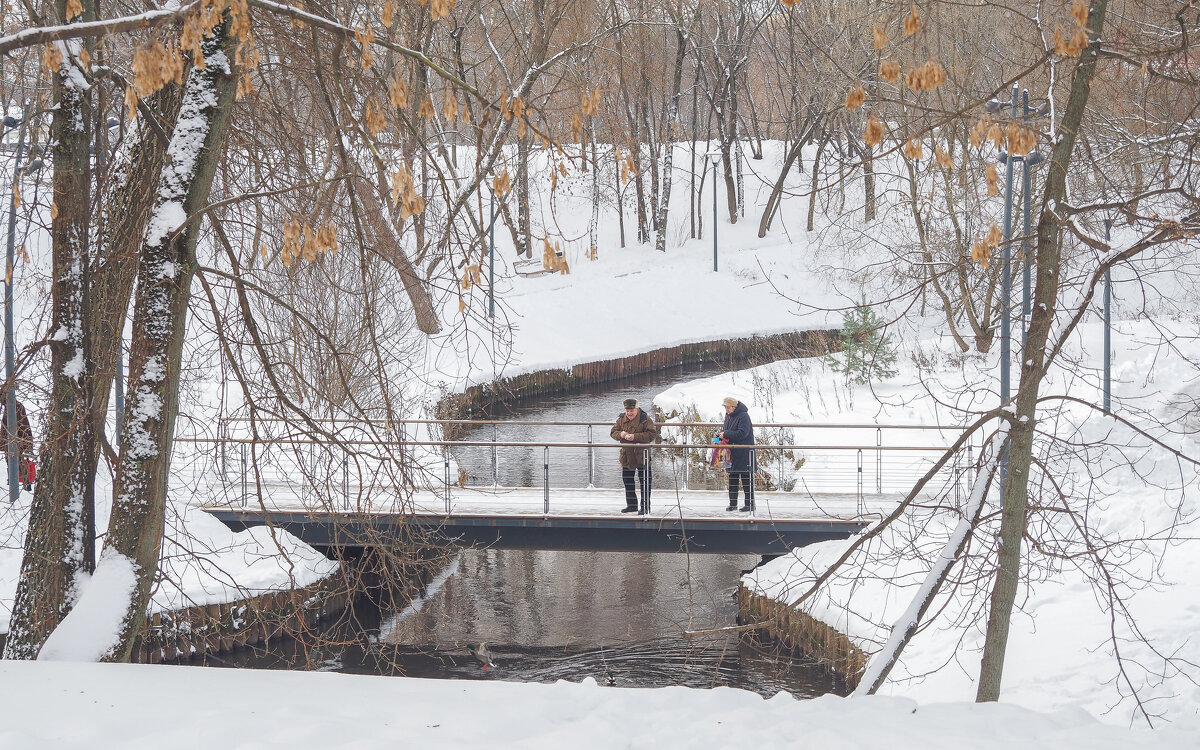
x: 578, y: 519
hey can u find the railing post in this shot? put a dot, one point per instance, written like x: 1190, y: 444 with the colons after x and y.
x: 860, y: 482
x: 779, y: 479
x: 221, y: 437
x: 646, y: 480
x: 346, y: 482
x: 495, y: 460
x: 546, y: 480
x: 446, y: 466
x: 686, y: 438
x: 753, y: 477
x: 591, y: 461
x: 957, y: 483
x: 879, y: 460
x: 970, y: 463
x: 245, y: 497
x: 404, y: 473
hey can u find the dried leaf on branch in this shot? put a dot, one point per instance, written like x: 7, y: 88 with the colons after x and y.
x: 365, y: 38
x: 873, y: 134
x: 912, y: 24
x: 398, y: 92
x: 154, y: 66
x: 928, y: 77
x: 889, y: 70
x: 978, y: 132
x: 881, y: 38
x: 992, y: 177
x: 856, y: 97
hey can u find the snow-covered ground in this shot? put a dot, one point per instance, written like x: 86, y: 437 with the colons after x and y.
x: 90, y: 706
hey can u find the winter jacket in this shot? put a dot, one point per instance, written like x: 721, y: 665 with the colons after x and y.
x: 739, y: 431
x: 24, y: 433
x: 644, y: 431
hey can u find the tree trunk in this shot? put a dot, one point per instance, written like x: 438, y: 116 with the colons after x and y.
x: 165, y: 271
x: 620, y: 199
x: 1033, y: 369
x: 776, y: 197
x: 54, y: 548
x: 672, y: 122
x: 868, y: 184
x: 594, y: 223
x: 816, y: 175
x: 523, y: 222
x: 128, y: 201
x: 387, y: 239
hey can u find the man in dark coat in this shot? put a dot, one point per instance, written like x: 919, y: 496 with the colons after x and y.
x: 633, y: 427
x: 26, y: 467
x: 739, y: 431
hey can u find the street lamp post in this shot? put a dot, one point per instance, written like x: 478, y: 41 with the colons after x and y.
x: 492, y: 256
x: 714, y: 157
x: 1023, y: 111
x: 10, y: 391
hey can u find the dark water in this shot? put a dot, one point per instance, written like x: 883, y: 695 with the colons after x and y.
x: 569, y: 467
x: 548, y: 615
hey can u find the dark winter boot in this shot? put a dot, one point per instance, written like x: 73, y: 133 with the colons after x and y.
x: 629, y: 509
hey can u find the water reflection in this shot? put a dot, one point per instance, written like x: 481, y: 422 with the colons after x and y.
x: 569, y: 467
x: 569, y: 615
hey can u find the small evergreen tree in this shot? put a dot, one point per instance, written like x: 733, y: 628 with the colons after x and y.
x: 868, y: 353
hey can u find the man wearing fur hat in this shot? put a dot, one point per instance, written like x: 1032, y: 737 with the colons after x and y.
x: 632, y: 427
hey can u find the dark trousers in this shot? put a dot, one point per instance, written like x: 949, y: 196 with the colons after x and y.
x: 747, y: 482
x: 643, y: 478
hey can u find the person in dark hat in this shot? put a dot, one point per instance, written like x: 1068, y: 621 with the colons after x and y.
x: 739, y: 431
x: 632, y: 427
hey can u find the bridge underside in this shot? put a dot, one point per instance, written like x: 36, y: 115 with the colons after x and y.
x: 620, y: 533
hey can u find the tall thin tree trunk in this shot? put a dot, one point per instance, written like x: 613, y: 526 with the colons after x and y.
x: 816, y: 175
x: 693, y: 197
x: 523, y: 220
x: 1033, y: 368
x: 775, y: 199
x: 868, y: 184
x: 58, y: 519
x: 165, y: 271
x: 672, y: 122
x: 620, y: 200
x: 594, y: 224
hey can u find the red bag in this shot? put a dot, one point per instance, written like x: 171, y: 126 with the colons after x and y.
x: 720, y: 456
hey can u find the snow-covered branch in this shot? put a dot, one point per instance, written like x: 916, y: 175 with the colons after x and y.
x: 42, y: 34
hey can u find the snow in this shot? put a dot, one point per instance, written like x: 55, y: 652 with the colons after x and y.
x: 87, y: 706
x: 90, y: 630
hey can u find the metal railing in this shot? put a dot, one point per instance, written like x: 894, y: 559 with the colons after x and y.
x: 400, y: 463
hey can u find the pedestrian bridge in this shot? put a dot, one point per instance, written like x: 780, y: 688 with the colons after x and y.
x: 585, y: 519
x: 412, y: 485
